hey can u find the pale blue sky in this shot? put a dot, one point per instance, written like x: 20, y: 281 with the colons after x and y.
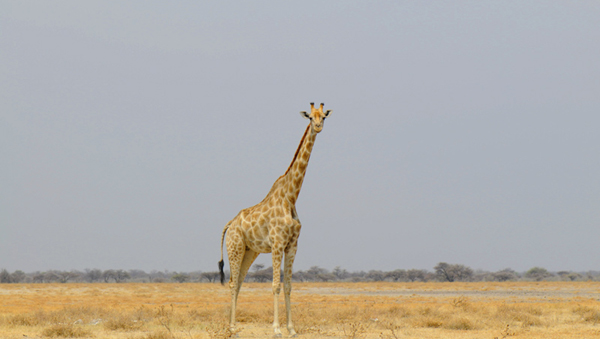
x: 464, y: 131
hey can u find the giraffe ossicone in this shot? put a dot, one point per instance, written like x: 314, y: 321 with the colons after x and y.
x: 272, y: 226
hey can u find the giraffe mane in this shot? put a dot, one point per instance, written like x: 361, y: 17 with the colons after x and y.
x: 298, y: 150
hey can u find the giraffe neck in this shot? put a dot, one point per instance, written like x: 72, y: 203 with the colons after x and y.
x: 294, y: 176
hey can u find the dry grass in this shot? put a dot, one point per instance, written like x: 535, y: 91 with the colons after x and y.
x: 340, y: 310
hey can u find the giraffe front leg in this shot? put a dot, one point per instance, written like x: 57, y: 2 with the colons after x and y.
x: 277, y: 254
x: 235, y: 289
x: 290, y: 255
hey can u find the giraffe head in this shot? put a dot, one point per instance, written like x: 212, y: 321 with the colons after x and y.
x: 316, y: 116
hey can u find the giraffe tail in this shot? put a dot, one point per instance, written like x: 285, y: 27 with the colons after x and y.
x: 222, y: 263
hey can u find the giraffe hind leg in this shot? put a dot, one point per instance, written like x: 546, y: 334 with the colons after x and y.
x: 240, y: 271
x: 249, y: 258
x: 235, y: 252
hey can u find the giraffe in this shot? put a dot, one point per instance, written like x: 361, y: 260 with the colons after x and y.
x: 272, y: 226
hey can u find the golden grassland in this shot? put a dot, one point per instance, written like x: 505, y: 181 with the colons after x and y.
x: 331, y: 310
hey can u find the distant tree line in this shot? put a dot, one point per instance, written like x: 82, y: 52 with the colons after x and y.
x: 442, y: 272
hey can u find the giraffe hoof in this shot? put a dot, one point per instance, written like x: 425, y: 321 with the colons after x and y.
x: 277, y: 335
x: 233, y: 332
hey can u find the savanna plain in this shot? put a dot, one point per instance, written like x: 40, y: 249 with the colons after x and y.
x: 320, y: 310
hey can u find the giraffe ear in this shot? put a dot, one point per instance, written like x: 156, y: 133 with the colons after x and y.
x: 328, y: 112
x: 305, y: 115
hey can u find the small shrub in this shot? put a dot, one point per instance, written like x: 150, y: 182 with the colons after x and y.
x: 142, y: 313
x: 429, y: 317
x: 507, y: 332
x: 307, y: 320
x: 23, y: 320
x: 221, y: 331
x: 460, y: 323
x: 460, y: 302
x: 246, y: 315
x: 65, y: 331
x: 161, y: 334
x: 393, y: 328
x: 592, y: 316
x: 399, y: 312
x: 354, y: 330
x: 122, y: 323
x: 430, y: 321
x: 588, y: 314
x: 527, y: 316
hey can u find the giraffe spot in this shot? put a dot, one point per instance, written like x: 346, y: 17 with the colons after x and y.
x: 262, y: 220
x: 253, y: 233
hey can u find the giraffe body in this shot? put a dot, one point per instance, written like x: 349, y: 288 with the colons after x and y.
x: 272, y: 226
